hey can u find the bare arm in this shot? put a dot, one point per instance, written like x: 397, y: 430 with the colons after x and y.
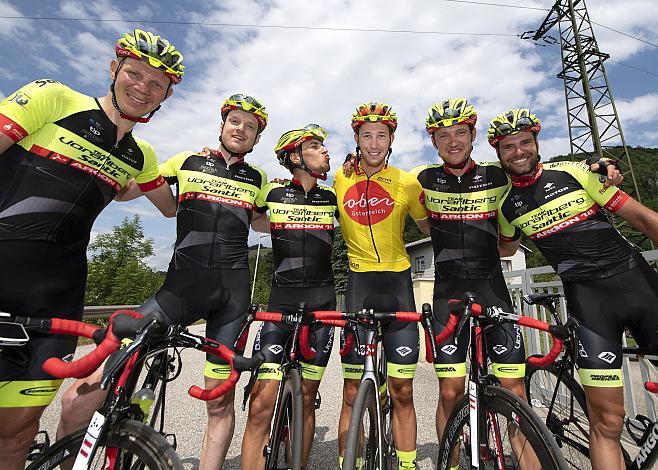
x: 506, y: 248
x: 5, y: 143
x: 260, y: 222
x: 163, y: 199
x: 129, y: 192
x: 640, y: 217
x: 423, y: 225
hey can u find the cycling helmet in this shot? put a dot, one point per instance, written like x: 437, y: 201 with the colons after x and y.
x: 245, y: 103
x: 293, y: 139
x: 154, y: 50
x: 450, y: 112
x: 512, y: 122
x: 374, y: 111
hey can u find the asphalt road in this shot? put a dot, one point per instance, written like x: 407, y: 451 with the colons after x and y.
x: 186, y: 416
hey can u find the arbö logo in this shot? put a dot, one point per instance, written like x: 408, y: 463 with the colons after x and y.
x: 376, y: 205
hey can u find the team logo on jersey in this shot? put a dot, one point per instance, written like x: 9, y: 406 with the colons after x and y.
x: 372, y: 207
x: 548, y: 186
x: 404, y: 351
x: 499, y: 349
x: 477, y: 177
x: 20, y: 98
x: 607, y: 356
x: 275, y: 348
x: 449, y: 349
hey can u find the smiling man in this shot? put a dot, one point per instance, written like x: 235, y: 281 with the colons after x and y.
x: 373, y: 202
x: 63, y: 157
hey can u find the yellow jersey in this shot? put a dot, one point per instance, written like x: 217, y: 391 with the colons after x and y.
x: 372, y: 215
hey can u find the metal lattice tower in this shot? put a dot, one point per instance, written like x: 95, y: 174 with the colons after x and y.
x: 594, y: 127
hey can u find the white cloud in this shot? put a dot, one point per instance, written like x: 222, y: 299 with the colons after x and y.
x: 641, y: 109
x: 10, y: 27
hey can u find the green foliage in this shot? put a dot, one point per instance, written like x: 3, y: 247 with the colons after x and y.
x: 263, y: 276
x: 339, y: 262
x: 411, y: 231
x: 118, y: 274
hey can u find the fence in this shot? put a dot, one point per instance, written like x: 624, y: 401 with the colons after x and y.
x: 525, y: 281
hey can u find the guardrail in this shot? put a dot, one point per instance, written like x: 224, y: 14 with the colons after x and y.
x: 521, y: 282
x: 102, y: 312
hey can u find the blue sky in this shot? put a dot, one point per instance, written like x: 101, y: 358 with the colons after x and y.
x: 310, y: 75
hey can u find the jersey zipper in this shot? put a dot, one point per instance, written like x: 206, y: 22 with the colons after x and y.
x: 304, y: 239
x: 372, y: 235
x: 461, y: 227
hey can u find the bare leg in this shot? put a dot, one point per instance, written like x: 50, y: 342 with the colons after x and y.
x: 218, y: 434
x: 309, y: 389
x: 606, y: 419
x: 19, y: 426
x: 261, y: 410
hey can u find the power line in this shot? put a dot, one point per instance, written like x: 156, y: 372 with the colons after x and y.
x: 265, y: 26
x: 633, y: 67
x: 625, y: 34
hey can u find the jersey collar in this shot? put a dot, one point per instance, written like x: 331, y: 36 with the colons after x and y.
x: 219, y: 155
x: 525, y: 181
x: 470, y: 167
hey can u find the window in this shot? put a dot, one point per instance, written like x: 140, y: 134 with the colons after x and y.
x: 507, y: 264
x: 419, y: 264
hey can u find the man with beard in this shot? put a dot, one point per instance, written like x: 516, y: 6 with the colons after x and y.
x: 607, y: 283
x: 301, y: 215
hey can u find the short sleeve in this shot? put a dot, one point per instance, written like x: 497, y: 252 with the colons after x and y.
x: 416, y: 199
x: 28, y: 109
x: 261, y: 199
x: 612, y: 198
x: 506, y: 231
x: 149, y: 178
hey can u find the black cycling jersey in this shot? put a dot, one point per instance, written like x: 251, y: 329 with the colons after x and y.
x: 215, y: 204
x: 462, y: 212
x: 560, y: 210
x: 65, y: 166
x: 302, y: 228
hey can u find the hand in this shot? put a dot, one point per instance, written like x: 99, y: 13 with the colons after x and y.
x: 207, y: 151
x: 608, y: 168
x: 280, y: 180
x: 350, y: 164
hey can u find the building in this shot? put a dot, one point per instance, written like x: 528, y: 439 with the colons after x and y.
x: 422, y: 268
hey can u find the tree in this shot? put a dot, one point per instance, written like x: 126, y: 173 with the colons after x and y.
x: 263, y: 276
x: 411, y: 231
x: 118, y: 274
x: 339, y: 262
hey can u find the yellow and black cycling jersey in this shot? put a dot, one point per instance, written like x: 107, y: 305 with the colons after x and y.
x: 462, y: 213
x: 215, y: 205
x: 560, y: 210
x: 66, y: 164
x: 372, y: 216
x: 302, y: 228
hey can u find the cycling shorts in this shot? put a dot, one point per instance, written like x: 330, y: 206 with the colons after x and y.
x: 38, y: 279
x: 219, y: 295
x: 272, y: 338
x: 605, y: 307
x: 504, y: 342
x: 383, y: 291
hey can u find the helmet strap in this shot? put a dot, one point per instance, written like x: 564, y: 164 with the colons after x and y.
x: 302, y: 166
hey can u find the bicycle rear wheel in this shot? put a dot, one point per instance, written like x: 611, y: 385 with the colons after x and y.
x: 138, y: 447
x: 285, y: 446
x: 362, y: 449
x: 512, y: 433
x: 568, y: 419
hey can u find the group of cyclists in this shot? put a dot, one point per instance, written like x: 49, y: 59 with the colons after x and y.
x: 65, y: 156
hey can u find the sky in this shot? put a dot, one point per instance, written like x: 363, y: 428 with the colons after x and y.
x: 314, y: 61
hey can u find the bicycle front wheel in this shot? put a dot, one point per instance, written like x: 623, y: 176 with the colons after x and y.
x: 362, y: 449
x: 137, y: 447
x: 567, y: 419
x: 285, y: 446
x: 512, y: 436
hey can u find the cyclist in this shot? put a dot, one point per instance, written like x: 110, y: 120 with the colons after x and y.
x: 209, y: 273
x: 373, y: 203
x: 461, y: 198
x: 301, y: 215
x: 607, y: 283
x: 65, y: 156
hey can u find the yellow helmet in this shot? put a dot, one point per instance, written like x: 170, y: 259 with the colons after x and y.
x: 512, y: 122
x: 154, y: 50
x: 245, y: 103
x: 450, y: 112
x: 374, y: 111
x: 295, y: 138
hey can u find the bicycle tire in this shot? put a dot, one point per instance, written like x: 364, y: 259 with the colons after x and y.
x: 286, y: 450
x: 568, y: 421
x: 518, y: 414
x: 139, y: 447
x: 363, y: 434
